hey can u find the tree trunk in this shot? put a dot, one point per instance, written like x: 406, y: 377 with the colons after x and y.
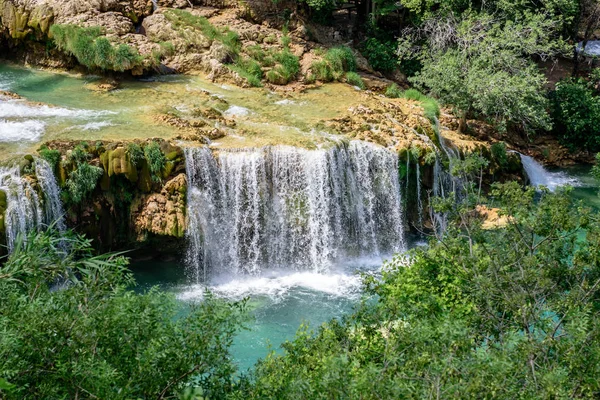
x: 462, y: 123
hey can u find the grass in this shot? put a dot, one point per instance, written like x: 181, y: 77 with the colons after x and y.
x: 286, y: 69
x: 431, y: 108
x: 181, y: 20
x: 335, y: 64
x: 393, y: 91
x: 354, y: 79
x: 249, y: 69
x: 93, y: 50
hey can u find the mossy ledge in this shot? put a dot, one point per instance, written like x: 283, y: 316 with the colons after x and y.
x: 138, y: 199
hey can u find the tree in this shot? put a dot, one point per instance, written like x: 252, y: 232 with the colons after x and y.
x: 72, y: 328
x: 510, y: 312
x: 481, y: 65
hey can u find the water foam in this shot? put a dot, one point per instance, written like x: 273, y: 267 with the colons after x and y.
x: 277, y: 286
x: 17, y: 131
x: 21, y: 109
x: 539, y: 176
x: 237, y: 111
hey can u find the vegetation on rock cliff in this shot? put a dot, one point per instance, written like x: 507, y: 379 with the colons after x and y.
x: 93, y: 50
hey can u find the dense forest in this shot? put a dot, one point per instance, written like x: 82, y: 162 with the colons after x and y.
x: 510, y: 310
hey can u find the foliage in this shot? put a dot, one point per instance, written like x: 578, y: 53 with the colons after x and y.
x: 431, y: 108
x: 336, y: 62
x: 393, y: 91
x: 182, y: 20
x: 354, y: 79
x: 510, y: 312
x: 248, y: 69
x: 481, y: 65
x: 381, y: 55
x: 286, y: 68
x: 93, y: 50
x: 82, y: 181
x: 499, y: 154
x: 156, y: 160
x: 50, y: 155
x: 135, y: 153
x: 576, y: 114
x: 72, y: 328
x: 83, y: 177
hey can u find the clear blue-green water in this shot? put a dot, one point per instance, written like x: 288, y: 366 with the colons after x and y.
x: 278, y: 301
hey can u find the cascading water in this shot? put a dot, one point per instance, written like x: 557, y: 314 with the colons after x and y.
x: 539, y: 176
x: 26, y: 210
x: 288, y: 208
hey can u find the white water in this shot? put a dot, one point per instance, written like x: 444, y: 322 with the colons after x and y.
x: 539, y: 176
x: 284, y: 208
x: 22, y: 121
x: 26, y: 211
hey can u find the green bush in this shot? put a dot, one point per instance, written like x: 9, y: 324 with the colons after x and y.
x: 381, y: 55
x: 82, y: 181
x: 73, y: 327
x: 135, y: 153
x: 50, y: 155
x: 499, y: 154
x: 156, y: 160
x: 93, y: 50
x: 393, y: 91
x: 355, y: 80
x: 463, y: 317
x: 575, y: 111
x: 322, y: 71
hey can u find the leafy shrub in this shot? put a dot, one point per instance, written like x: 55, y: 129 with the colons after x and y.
x: 381, y: 55
x: 156, y: 160
x: 82, y: 181
x: 95, y: 337
x: 286, y: 41
x: 50, y: 155
x: 393, y: 91
x: 93, y: 50
x: 499, y: 154
x: 135, y: 153
x: 354, y: 79
x: 576, y: 114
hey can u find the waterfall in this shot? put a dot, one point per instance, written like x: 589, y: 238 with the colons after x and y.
x: 26, y: 209
x: 539, y: 176
x: 419, y: 200
x: 289, y: 208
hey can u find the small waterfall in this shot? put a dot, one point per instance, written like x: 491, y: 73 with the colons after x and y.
x: 154, y: 5
x: 26, y: 210
x: 539, y: 176
x: 289, y: 208
x: 53, y: 209
x: 419, y: 200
